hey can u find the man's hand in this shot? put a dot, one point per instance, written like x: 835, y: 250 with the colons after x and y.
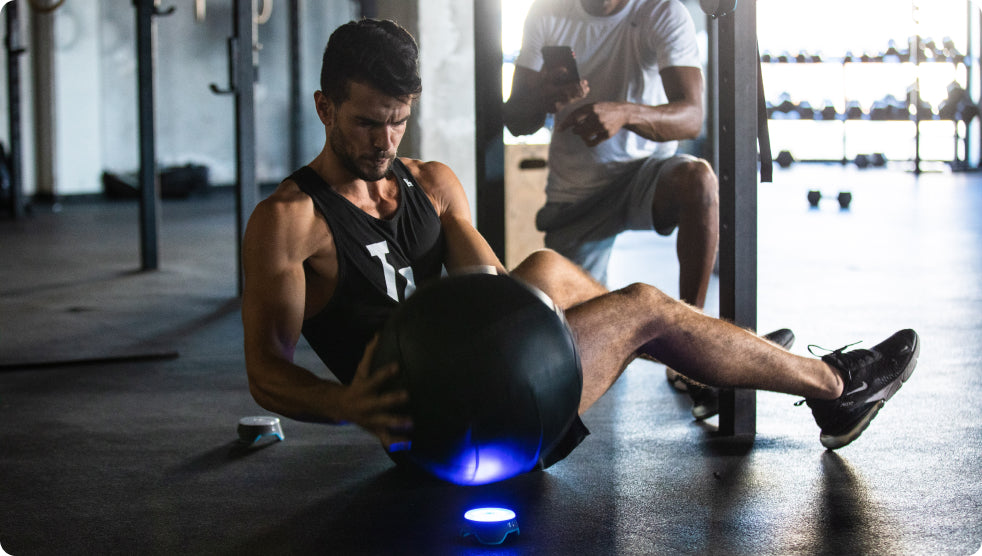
x: 369, y: 404
x: 596, y: 122
x: 558, y: 91
x: 534, y: 94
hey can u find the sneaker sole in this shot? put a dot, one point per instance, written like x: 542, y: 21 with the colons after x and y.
x: 834, y: 442
x: 703, y: 412
x: 675, y: 380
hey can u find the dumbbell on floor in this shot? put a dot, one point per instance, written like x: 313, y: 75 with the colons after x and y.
x: 844, y: 198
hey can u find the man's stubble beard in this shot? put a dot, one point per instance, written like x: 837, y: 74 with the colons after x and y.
x: 339, y: 144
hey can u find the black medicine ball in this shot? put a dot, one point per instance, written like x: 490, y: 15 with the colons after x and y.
x: 492, y: 372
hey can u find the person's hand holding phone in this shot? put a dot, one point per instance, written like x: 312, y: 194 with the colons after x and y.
x: 560, y: 78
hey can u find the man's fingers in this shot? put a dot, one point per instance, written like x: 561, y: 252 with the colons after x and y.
x: 364, y: 365
x: 572, y: 121
x: 393, y: 400
x: 396, y: 443
x: 382, y: 374
x: 395, y: 432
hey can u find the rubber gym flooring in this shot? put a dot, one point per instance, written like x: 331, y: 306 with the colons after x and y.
x: 120, y: 391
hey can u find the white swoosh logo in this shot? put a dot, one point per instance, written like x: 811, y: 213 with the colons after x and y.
x: 860, y: 389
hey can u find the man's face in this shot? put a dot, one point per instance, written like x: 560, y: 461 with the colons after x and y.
x: 366, y: 129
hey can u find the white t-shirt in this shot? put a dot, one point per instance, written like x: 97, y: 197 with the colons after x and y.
x: 620, y: 55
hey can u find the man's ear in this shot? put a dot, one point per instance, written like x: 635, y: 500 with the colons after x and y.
x: 325, y: 108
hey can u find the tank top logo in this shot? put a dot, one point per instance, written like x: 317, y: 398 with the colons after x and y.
x: 379, y: 251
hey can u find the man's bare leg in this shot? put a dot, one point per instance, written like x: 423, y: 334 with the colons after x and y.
x: 611, y: 330
x: 689, y: 199
x: 558, y: 277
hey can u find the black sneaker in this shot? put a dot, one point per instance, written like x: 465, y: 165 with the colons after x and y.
x: 870, y: 378
x: 705, y: 399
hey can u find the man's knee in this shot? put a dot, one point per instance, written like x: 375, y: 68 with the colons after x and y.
x: 696, y: 184
x: 543, y: 259
x: 688, y: 189
x: 648, y: 307
x: 542, y: 267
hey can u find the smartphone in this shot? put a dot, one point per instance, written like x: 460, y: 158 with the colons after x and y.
x: 554, y: 57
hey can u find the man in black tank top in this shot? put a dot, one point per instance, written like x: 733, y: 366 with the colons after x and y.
x: 331, y: 252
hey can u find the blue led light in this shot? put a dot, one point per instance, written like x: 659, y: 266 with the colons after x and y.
x: 489, y: 515
x: 490, y: 525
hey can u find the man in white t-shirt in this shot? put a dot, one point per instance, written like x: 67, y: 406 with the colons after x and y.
x: 612, y: 157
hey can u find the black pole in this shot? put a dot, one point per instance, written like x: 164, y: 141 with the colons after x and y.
x: 489, y: 124
x: 295, y: 65
x: 149, y: 185
x: 242, y: 71
x: 14, y: 51
x: 737, y: 83
x: 368, y: 8
x: 712, y: 88
x: 246, y: 189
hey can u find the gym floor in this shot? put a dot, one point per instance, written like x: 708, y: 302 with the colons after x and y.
x: 120, y: 392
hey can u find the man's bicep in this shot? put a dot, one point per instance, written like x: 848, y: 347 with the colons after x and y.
x: 272, y: 312
x: 273, y: 294
x: 683, y: 84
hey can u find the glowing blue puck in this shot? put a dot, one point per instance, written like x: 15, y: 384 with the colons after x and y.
x: 490, y: 525
x: 251, y: 429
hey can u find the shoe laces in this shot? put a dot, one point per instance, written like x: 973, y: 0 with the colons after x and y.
x: 813, y: 347
x: 840, y: 358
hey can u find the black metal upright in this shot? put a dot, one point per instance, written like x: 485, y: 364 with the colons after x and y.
x: 242, y: 71
x: 368, y: 8
x: 489, y: 124
x: 295, y: 62
x: 712, y: 91
x: 146, y: 51
x: 15, y: 49
x: 245, y: 62
x: 737, y: 129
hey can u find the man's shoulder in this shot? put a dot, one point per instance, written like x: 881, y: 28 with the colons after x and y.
x: 287, y: 209
x: 286, y: 197
x: 437, y: 180
x: 426, y: 172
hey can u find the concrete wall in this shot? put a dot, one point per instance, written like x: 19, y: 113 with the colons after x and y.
x: 446, y: 32
x: 443, y: 127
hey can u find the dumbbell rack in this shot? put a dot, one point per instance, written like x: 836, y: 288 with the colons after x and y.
x: 850, y: 116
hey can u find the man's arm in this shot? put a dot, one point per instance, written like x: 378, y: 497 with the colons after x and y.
x: 466, y: 247
x: 680, y: 118
x: 535, y: 94
x: 280, y: 236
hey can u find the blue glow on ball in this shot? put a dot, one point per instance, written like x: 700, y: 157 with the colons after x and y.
x: 479, y: 464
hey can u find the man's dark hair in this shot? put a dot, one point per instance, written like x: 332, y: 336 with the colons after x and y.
x: 374, y: 52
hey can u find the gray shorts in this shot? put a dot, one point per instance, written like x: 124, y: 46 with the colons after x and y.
x: 584, y: 231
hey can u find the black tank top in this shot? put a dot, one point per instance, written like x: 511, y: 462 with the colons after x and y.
x: 380, y: 262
